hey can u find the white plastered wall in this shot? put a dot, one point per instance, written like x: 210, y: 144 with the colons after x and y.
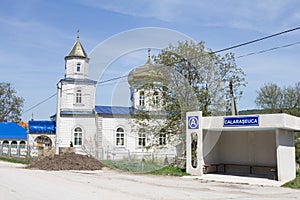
x: 285, y: 155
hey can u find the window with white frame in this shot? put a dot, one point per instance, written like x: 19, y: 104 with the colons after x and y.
x: 77, y: 136
x: 78, y: 96
x: 142, y: 138
x: 5, y: 143
x: 142, y: 98
x: 22, y: 144
x: 78, y: 67
x: 120, y: 137
x: 162, y: 140
x: 14, y: 144
x: 155, y: 98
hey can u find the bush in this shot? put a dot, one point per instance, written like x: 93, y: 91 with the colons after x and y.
x: 297, y: 149
x: 294, y: 183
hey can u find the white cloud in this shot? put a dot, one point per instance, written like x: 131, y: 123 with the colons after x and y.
x: 267, y: 15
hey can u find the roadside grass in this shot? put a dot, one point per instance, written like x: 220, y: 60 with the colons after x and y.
x: 170, y: 171
x: 147, y: 167
x: 24, y: 161
x: 294, y: 183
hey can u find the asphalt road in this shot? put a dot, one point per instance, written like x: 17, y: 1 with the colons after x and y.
x: 24, y: 184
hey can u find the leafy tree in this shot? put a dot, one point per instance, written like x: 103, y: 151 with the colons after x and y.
x: 207, y: 74
x: 274, y: 99
x: 191, y: 78
x: 10, y: 104
x: 270, y: 97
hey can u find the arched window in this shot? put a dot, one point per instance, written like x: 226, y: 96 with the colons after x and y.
x: 155, y: 98
x: 5, y: 143
x: 22, y: 144
x: 78, y: 96
x: 43, y: 141
x: 78, y: 136
x: 14, y: 144
x: 142, y: 98
x: 142, y: 138
x: 78, y: 67
x: 120, y: 137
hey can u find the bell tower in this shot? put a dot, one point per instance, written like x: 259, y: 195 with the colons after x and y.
x: 75, y: 115
x: 78, y: 91
x: 76, y: 62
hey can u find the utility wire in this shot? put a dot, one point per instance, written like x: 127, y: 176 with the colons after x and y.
x: 266, y: 50
x: 36, y: 105
x: 256, y: 40
x: 221, y: 50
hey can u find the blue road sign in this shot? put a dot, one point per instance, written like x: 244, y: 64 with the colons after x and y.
x: 241, y: 121
x: 193, y: 122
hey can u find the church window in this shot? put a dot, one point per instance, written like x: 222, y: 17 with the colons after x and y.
x: 77, y: 136
x: 120, y: 137
x: 155, y: 98
x: 22, y: 144
x: 14, y: 144
x: 142, y: 138
x: 162, y: 140
x: 142, y: 98
x: 78, y: 96
x: 5, y: 143
x: 78, y: 67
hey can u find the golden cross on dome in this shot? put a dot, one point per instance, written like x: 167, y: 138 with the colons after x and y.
x: 78, y: 31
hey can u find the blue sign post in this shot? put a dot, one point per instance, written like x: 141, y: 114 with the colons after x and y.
x: 241, y: 121
x: 194, y: 143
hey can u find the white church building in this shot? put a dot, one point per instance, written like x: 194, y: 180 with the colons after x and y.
x: 103, y: 131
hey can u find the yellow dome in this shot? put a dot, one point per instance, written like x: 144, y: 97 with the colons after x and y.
x: 146, y: 74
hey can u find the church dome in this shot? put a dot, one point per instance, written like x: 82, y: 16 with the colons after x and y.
x: 146, y: 74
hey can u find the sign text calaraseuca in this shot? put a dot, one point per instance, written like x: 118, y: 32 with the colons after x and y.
x: 241, y: 121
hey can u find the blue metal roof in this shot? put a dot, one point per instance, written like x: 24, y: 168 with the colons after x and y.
x: 41, y: 126
x: 113, y: 110
x: 11, y: 130
x: 76, y: 112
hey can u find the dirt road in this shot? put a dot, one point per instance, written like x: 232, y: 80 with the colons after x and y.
x: 25, y: 184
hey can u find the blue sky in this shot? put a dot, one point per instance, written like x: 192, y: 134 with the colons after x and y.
x: 36, y: 35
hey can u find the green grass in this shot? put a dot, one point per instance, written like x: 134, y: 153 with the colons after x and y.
x: 15, y: 160
x: 148, y: 168
x: 294, y: 183
x: 170, y: 171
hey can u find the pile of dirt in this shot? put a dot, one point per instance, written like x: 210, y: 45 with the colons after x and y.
x: 67, y: 161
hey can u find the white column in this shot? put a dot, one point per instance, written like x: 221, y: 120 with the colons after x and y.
x: 286, y: 164
x: 194, y: 126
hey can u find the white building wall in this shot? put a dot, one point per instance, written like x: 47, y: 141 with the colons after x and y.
x: 148, y: 99
x: 130, y: 148
x: 69, y: 97
x: 88, y: 125
x: 71, y: 68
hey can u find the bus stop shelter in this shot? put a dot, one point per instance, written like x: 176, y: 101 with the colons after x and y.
x: 250, y: 145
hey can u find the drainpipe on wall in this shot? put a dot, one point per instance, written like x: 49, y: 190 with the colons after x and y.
x: 58, y: 118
